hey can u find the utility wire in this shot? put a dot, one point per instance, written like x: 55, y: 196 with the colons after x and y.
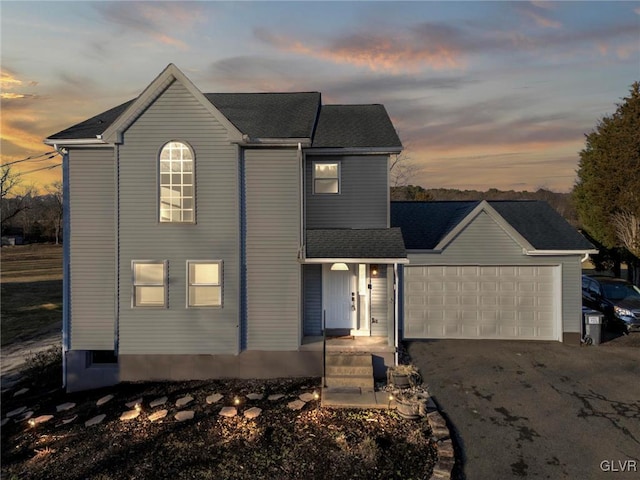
x: 41, y: 168
x: 51, y: 154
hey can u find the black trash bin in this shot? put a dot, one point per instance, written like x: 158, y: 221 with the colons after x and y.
x: 591, y: 326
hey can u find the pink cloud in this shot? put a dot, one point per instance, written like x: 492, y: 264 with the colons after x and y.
x: 395, y: 53
x: 542, y: 21
x: 154, y: 19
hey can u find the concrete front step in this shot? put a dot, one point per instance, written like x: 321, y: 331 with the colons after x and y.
x: 361, y: 381
x: 349, y: 359
x: 349, y: 370
x: 355, y: 398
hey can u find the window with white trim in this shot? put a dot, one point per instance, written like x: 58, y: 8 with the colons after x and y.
x: 204, y: 283
x: 177, y: 193
x: 149, y: 283
x: 326, y: 177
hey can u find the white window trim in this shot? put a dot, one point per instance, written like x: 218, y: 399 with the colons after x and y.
x: 165, y: 283
x: 339, y: 177
x: 159, y: 183
x: 220, y: 283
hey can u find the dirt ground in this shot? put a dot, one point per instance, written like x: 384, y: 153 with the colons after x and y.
x: 281, y: 443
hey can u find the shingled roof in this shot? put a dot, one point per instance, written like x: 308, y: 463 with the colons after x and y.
x: 366, y: 243
x: 269, y: 115
x: 355, y: 126
x: 93, y: 126
x: 425, y: 224
x: 279, y: 115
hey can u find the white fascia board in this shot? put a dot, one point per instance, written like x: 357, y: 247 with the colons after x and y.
x: 354, y: 151
x: 355, y: 260
x: 484, y: 206
x: 170, y: 74
x: 76, y: 141
x: 559, y: 252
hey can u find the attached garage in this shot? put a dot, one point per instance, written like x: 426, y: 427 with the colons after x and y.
x: 489, y: 270
x: 492, y: 301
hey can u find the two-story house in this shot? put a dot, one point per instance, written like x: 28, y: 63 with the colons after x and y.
x: 213, y: 235
x: 227, y: 235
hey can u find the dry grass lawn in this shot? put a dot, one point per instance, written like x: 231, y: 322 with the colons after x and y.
x: 31, y: 287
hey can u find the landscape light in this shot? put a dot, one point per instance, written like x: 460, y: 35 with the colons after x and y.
x: 32, y: 422
x: 236, y: 401
x: 138, y: 407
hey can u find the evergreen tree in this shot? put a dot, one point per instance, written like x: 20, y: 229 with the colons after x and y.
x: 607, y: 192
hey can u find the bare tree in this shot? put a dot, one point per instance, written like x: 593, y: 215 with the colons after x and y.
x: 13, y: 201
x: 627, y: 225
x: 402, y: 170
x: 54, y: 212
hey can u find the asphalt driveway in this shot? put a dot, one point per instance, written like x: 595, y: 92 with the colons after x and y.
x: 537, y: 409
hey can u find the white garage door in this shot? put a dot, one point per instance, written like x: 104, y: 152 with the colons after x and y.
x: 514, y: 302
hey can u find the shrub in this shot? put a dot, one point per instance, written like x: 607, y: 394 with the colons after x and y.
x: 44, y: 367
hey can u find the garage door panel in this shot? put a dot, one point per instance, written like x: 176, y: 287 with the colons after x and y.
x: 482, y: 302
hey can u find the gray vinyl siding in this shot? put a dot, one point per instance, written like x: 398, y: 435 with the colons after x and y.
x: 363, y: 201
x: 483, y: 242
x: 312, y: 281
x: 177, y: 115
x: 92, y: 241
x: 272, y: 190
x: 379, y: 303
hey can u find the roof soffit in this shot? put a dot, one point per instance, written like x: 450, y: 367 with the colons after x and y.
x: 485, y: 207
x: 170, y: 74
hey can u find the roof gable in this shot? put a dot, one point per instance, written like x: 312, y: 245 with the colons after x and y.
x: 481, y: 207
x: 534, y: 225
x: 169, y: 75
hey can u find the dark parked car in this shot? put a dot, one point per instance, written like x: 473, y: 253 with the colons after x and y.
x: 618, y: 299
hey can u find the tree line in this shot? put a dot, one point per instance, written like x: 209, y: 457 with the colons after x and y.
x: 27, y: 215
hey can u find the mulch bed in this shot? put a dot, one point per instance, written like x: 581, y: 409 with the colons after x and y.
x: 312, y: 443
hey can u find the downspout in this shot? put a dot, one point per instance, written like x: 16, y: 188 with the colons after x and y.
x: 300, y: 243
x: 585, y: 258
x: 66, y: 268
x: 116, y: 332
x: 301, y: 176
x: 395, y: 313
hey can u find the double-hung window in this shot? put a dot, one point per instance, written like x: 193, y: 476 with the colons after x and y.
x: 204, y: 286
x: 326, y: 177
x: 149, y: 283
x: 177, y: 193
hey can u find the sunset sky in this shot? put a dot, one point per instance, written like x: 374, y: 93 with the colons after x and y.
x: 483, y: 94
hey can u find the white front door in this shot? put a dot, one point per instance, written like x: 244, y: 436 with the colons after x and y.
x: 339, y: 297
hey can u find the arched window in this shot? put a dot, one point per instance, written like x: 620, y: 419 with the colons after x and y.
x: 177, y: 194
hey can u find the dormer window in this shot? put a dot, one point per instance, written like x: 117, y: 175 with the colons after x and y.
x: 326, y: 177
x: 177, y: 193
